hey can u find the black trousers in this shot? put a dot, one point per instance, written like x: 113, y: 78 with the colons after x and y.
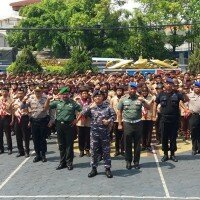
x: 132, y: 133
x: 39, y: 131
x: 65, y: 136
x: 169, y: 130
x: 22, y: 132
x: 147, y: 128
x: 119, y: 138
x: 194, y: 123
x: 83, y: 138
x: 5, y: 127
x: 157, y: 128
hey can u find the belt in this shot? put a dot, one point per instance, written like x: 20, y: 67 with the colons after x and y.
x: 195, y: 113
x: 64, y: 122
x: 133, y: 121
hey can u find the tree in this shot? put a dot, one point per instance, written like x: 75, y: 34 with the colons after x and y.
x: 26, y: 62
x: 194, y: 62
x: 72, y: 14
x: 79, y: 62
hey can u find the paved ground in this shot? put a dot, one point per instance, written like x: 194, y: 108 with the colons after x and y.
x: 20, y: 178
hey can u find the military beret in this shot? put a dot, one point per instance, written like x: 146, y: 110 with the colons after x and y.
x: 197, y: 84
x: 133, y: 85
x: 64, y: 90
x: 97, y: 92
x: 170, y: 80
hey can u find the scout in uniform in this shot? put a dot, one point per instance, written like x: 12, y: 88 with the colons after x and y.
x: 22, y: 131
x: 6, y: 119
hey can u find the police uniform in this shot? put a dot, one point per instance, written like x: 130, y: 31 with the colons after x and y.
x: 65, y: 115
x: 6, y: 118
x: 99, y: 134
x: 170, y: 116
x: 39, y: 121
x: 194, y: 121
x: 131, y: 109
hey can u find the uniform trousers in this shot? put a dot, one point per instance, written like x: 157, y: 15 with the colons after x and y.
x: 65, y: 136
x: 132, y: 134
x: 194, y: 123
x: 22, y: 132
x: 39, y: 132
x: 5, y: 127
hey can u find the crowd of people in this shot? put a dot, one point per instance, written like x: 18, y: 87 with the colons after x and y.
x: 100, y: 108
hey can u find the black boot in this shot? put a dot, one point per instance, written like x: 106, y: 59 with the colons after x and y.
x: 81, y: 154
x: 93, y: 172
x: 108, y: 173
x: 173, y: 157
x: 37, y: 159
x: 128, y: 165
x: 164, y: 158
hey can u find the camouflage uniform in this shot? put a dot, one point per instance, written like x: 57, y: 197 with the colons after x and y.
x: 99, y: 133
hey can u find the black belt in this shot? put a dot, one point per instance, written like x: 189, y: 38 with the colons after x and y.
x: 195, y: 113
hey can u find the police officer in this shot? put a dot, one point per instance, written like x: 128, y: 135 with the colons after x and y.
x: 66, y: 109
x: 102, y: 115
x: 38, y: 121
x: 194, y: 121
x: 170, y: 101
x: 130, y: 111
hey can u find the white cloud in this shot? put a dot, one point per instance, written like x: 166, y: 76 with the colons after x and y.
x: 6, y: 9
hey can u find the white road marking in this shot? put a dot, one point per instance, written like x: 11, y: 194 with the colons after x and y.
x: 160, y: 173
x: 95, y: 196
x: 14, y: 172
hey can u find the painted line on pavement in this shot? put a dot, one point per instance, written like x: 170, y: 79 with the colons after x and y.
x: 95, y: 196
x: 160, y: 173
x: 15, y: 171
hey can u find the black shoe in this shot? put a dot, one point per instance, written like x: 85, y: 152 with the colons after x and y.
x: 1, y: 151
x: 70, y: 167
x: 164, y: 158
x: 136, y: 165
x: 27, y: 154
x: 116, y: 153
x: 92, y: 173
x: 37, y: 159
x: 87, y: 152
x: 128, y: 165
x: 198, y: 152
x: 173, y: 158
x: 81, y: 154
x: 61, y: 166
x: 108, y: 173
x: 143, y: 148
x: 44, y: 159
x: 122, y: 153
x: 9, y: 152
x: 20, y: 154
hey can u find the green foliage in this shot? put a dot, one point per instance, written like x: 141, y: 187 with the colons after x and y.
x: 11, y: 68
x: 54, y: 69
x: 26, y: 61
x: 194, y: 62
x: 79, y: 62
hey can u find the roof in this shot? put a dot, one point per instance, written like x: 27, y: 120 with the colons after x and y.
x: 17, y: 5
